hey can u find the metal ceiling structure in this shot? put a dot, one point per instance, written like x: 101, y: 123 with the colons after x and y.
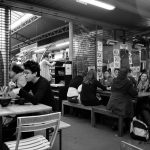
x: 131, y: 15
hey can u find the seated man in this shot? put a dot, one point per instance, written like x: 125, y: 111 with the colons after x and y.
x: 37, y: 90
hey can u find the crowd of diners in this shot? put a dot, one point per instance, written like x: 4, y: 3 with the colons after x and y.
x: 29, y: 82
x: 124, y: 88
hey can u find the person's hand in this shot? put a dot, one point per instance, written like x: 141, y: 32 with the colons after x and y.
x: 12, y: 85
x: 12, y: 94
x: 108, y: 88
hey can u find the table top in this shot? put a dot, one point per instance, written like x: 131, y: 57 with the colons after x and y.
x: 23, y: 109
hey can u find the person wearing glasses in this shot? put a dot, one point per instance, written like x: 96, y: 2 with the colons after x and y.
x: 37, y: 90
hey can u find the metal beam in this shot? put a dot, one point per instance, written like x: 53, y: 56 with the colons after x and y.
x: 45, y: 11
x: 26, y: 23
x: 52, y: 33
x: 20, y: 37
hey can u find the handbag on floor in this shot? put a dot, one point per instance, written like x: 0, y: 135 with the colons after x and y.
x: 139, y: 130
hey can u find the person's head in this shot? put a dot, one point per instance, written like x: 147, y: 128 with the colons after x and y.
x: 129, y: 73
x: 116, y: 72
x: 144, y: 77
x: 90, y: 77
x: 106, y: 74
x: 123, y: 73
x: 46, y: 56
x: 14, y: 70
x: 31, y: 70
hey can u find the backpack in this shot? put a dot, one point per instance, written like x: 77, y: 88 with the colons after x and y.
x: 139, y: 130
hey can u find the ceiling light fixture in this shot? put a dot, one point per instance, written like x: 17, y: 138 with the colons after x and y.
x: 98, y: 4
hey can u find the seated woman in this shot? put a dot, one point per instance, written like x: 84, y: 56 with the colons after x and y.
x: 72, y: 94
x: 143, y: 83
x: 107, y: 79
x: 143, y: 104
x: 89, y: 88
x: 122, y: 92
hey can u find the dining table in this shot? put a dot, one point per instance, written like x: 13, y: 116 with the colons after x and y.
x: 14, y: 109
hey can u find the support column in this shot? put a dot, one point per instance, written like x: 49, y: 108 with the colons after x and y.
x: 4, y: 45
x: 70, y: 41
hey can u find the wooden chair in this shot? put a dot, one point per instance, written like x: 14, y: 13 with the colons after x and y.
x: 35, y: 123
x: 127, y: 146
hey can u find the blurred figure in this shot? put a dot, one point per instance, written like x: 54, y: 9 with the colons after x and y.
x: 116, y: 72
x: 17, y: 77
x: 131, y: 78
x: 122, y: 92
x: 89, y: 88
x: 143, y: 84
x: 107, y: 79
x: 45, y: 67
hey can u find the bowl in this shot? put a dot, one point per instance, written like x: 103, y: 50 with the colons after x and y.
x: 4, y: 101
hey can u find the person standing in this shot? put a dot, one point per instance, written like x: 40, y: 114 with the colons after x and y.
x: 45, y: 67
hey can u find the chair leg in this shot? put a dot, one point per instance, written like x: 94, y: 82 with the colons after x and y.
x: 93, y: 121
x: 63, y: 109
x: 120, y: 126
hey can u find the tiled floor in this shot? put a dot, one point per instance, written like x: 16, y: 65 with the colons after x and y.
x: 81, y: 136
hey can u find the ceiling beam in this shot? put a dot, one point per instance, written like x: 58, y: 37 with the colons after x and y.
x: 48, y: 12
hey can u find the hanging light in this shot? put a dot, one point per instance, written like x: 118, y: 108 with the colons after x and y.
x: 98, y: 4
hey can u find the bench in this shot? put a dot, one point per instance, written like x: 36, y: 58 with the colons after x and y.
x: 102, y: 110
x: 75, y: 105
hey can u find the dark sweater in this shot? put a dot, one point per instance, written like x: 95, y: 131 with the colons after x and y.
x: 88, y: 93
x: 41, y: 92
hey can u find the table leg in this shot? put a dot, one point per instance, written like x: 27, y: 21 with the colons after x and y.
x: 60, y: 139
x: 1, y: 136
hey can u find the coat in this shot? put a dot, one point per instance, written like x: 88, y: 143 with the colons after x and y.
x: 120, y: 101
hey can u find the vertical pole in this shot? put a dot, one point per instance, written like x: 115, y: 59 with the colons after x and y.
x: 70, y: 41
x: 71, y: 45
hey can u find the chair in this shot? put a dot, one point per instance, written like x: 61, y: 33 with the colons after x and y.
x: 127, y: 146
x: 35, y: 123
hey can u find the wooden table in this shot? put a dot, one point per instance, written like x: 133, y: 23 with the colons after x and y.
x: 18, y: 110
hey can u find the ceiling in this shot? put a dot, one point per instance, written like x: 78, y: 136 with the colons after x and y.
x: 132, y: 15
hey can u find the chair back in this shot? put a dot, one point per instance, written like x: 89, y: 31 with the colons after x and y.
x: 36, y: 123
x: 127, y: 146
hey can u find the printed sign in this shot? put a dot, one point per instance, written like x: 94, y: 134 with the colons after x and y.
x: 99, y: 62
x: 116, y: 52
x: 99, y: 55
x: 117, y: 59
x: 99, y: 73
x: 123, y: 46
x: 116, y: 64
x: 99, y: 46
